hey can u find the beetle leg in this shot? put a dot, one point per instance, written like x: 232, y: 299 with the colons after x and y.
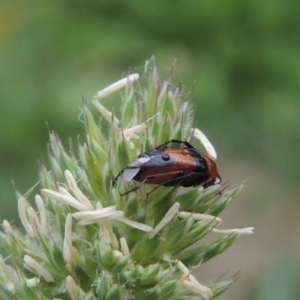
x: 115, y: 179
x: 169, y: 181
x: 159, y: 185
x: 136, y: 187
x: 150, y: 177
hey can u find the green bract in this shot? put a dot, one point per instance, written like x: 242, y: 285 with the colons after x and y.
x: 83, y: 240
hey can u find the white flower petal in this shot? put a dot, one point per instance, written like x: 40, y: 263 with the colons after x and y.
x: 108, y: 115
x: 248, y: 230
x: 198, y: 288
x: 42, y: 211
x: 199, y: 217
x: 67, y: 245
x: 70, y: 180
x: 8, y: 229
x: 117, y: 253
x: 89, y: 217
x: 77, y: 192
x: 32, y: 282
x: 124, y: 246
x: 134, y: 224
x: 131, y: 132
x: 72, y: 287
x: 117, y: 86
x: 33, y: 219
x: 181, y: 266
x: 186, y: 271
x: 63, y: 198
x: 32, y: 264
x: 23, y: 216
x: 198, y: 134
x: 191, y: 282
x: 107, y: 236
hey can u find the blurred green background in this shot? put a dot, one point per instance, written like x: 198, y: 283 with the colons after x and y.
x: 244, y: 58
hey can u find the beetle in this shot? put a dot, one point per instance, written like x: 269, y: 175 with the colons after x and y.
x: 171, y: 166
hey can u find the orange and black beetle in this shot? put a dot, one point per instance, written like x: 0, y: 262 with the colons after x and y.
x: 171, y: 166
